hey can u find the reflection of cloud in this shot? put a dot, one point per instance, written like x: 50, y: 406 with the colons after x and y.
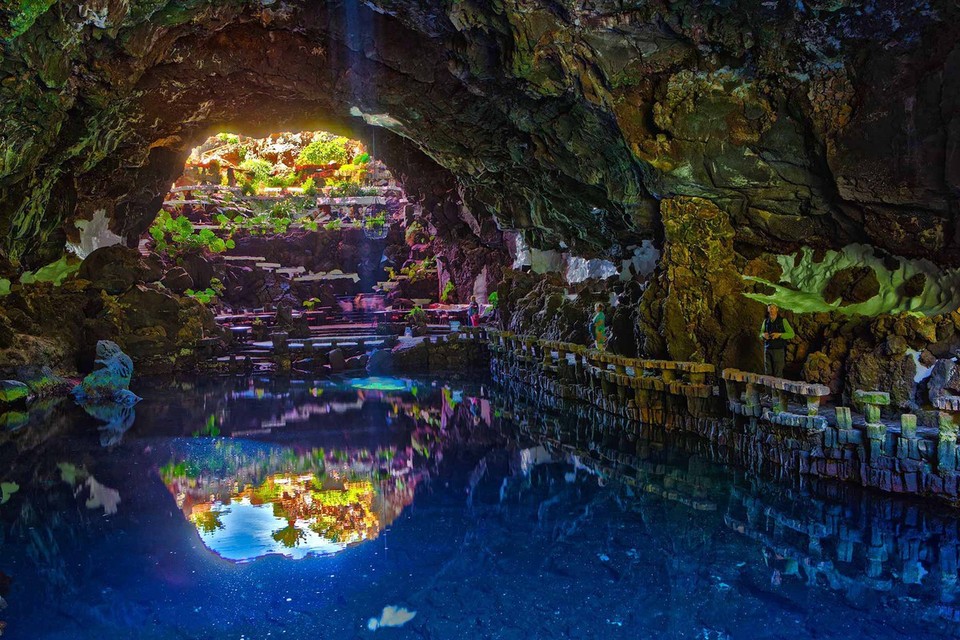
x: 391, y: 617
x: 102, y: 496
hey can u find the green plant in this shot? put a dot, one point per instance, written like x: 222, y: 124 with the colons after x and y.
x: 282, y: 180
x: 415, y: 234
x: 419, y: 270
x: 494, y: 299
x: 4, y: 286
x: 325, y: 149
x: 205, y: 296
x: 334, y: 225
x: 309, y: 187
x: 247, y: 188
x: 29, y: 11
x: 229, y: 138
x: 448, y: 289
x: 259, y: 168
x: 176, y: 236
x: 310, y: 224
x: 55, y: 272
x: 417, y: 316
x: 343, y: 189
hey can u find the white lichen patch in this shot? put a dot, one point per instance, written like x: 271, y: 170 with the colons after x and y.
x: 803, y: 280
x: 94, y: 234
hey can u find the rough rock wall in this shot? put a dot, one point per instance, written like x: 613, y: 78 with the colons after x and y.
x: 822, y: 123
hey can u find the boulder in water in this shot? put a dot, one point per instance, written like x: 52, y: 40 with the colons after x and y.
x: 111, y: 382
x: 12, y: 391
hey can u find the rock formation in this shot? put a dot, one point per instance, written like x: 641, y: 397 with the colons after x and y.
x: 732, y: 135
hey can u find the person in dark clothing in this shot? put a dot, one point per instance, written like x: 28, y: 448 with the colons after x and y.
x: 473, y: 312
x: 775, y: 331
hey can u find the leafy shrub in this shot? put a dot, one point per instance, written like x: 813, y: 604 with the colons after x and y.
x: 334, y: 225
x: 309, y: 187
x: 325, y: 149
x: 229, y: 138
x: 176, y: 236
x: 420, y: 270
x: 261, y: 169
x: 447, y: 290
x: 206, y: 296
x: 55, y: 272
x: 417, y: 316
x: 344, y: 189
x: 494, y: 299
x: 247, y: 188
x: 415, y: 234
x: 282, y: 180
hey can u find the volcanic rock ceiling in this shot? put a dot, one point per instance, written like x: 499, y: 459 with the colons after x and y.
x: 818, y: 123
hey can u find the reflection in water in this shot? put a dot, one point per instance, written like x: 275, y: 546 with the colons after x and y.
x: 493, y: 519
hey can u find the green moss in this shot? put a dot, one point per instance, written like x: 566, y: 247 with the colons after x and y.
x: 804, y: 280
x: 7, y: 489
x: 29, y: 11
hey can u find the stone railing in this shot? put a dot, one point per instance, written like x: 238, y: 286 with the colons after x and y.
x: 776, y: 426
x: 745, y: 393
x: 641, y: 389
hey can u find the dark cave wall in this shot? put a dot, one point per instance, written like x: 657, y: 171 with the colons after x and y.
x: 588, y: 125
x: 816, y: 123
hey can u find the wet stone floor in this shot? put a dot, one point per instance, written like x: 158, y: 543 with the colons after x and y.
x: 269, y: 508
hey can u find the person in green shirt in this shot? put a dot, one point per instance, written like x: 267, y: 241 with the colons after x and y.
x: 598, y: 327
x: 775, y: 331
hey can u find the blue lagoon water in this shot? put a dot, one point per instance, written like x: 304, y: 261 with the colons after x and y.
x: 271, y: 508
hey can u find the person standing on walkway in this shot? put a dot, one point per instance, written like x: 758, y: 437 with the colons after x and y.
x: 473, y: 312
x: 598, y: 327
x: 775, y: 331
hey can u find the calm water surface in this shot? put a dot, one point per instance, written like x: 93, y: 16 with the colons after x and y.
x: 266, y: 508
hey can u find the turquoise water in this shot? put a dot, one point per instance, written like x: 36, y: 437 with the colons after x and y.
x: 259, y: 508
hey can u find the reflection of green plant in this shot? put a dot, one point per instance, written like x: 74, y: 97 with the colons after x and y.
x: 289, y: 536
x: 211, y: 429
x: 448, y: 289
x: 207, y: 521
x: 494, y: 299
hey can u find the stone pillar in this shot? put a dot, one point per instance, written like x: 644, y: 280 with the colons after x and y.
x: 947, y: 443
